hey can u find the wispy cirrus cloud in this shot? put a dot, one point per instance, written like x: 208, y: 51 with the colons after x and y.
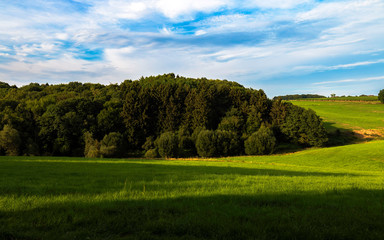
x: 340, y: 66
x: 378, y: 78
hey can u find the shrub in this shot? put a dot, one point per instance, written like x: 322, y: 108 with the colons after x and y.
x: 149, y: 144
x: 381, y: 96
x: 151, y: 153
x: 111, y: 145
x: 167, y: 145
x: 227, y: 143
x: 186, y: 144
x: 304, y: 127
x: 31, y: 148
x: 92, y: 146
x: 261, y: 142
x: 206, y: 143
x: 10, y: 140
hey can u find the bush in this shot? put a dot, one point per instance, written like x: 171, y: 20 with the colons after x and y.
x: 227, y: 143
x: 261, y: 142
x: 151, y: 153
x: 167, y: 145
x: 10, y: 140
x: 186, y: 144
x: 206, y: 143
x: 92, y: 146
x: 111, y: 145
x: 149, y: 144
x: 381, y: 96
x: 304, y: 127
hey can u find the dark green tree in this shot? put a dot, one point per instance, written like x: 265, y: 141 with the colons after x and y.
x: 261, y: 142
x: 206, y: 143
x: 10, y: 140
x: 167, y: 145
x: 381, y: 96
x: 227, y: 143
x: 112, y: 145
x: 92, y: 146
x: 304, y: 127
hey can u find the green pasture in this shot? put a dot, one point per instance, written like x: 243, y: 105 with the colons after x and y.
x: 330, y: 193
x: 347, y: 115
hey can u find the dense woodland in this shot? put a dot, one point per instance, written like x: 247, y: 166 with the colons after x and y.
x: 167, y: 116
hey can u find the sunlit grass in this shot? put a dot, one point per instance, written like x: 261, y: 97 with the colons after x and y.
x: 348, y: 115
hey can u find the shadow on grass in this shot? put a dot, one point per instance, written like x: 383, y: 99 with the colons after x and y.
x: 342, y: 136
x: 346, y: 214
x: 53, y: 178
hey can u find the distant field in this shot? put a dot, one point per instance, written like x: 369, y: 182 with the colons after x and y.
x: 362, y: 98
x: 331, y: 193
x: 347, y: 115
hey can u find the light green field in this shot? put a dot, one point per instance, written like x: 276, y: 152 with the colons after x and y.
x: 331, y: 193
x: 347, y: 115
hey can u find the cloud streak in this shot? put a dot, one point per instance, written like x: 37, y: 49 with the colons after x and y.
x: 352, y: 80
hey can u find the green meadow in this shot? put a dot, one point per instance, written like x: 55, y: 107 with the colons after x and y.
x: 348, y: 114
x: 329, y: 193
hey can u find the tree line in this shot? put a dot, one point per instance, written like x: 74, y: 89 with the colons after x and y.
x: 157, y: 116
x: 299, y: 96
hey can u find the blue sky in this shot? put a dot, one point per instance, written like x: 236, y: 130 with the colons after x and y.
x: 281, y: 46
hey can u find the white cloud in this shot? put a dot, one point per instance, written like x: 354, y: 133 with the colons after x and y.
x: 177, y: 8
x: 172, y: 9
x: 351, y: 80
x: 336, y: 67
x: 344, y: 10
x: 275, y: 4
x: 64, y: 69
x: 4, y: 48
x: 236, y: 22
x: 121, y: 9
x: 200, y: 32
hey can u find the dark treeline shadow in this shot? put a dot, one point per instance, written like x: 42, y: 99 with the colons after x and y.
x: 342, y: 136
x: 338, y: 214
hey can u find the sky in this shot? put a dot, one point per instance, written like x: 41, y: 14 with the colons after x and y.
x: 280, y: 46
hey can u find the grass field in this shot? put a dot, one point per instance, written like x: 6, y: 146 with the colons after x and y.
x: 347, y: 115
x: 331, y: 193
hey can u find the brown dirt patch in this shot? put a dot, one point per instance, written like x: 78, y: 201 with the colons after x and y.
x: 369, y: 133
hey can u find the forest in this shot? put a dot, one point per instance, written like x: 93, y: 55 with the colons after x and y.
x: 156, y: 116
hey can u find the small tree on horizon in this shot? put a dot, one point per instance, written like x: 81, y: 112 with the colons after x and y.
x: 381, y: 96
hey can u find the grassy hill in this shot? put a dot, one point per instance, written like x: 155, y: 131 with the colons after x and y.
x: 330, y: 193
x: 365, y: 118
